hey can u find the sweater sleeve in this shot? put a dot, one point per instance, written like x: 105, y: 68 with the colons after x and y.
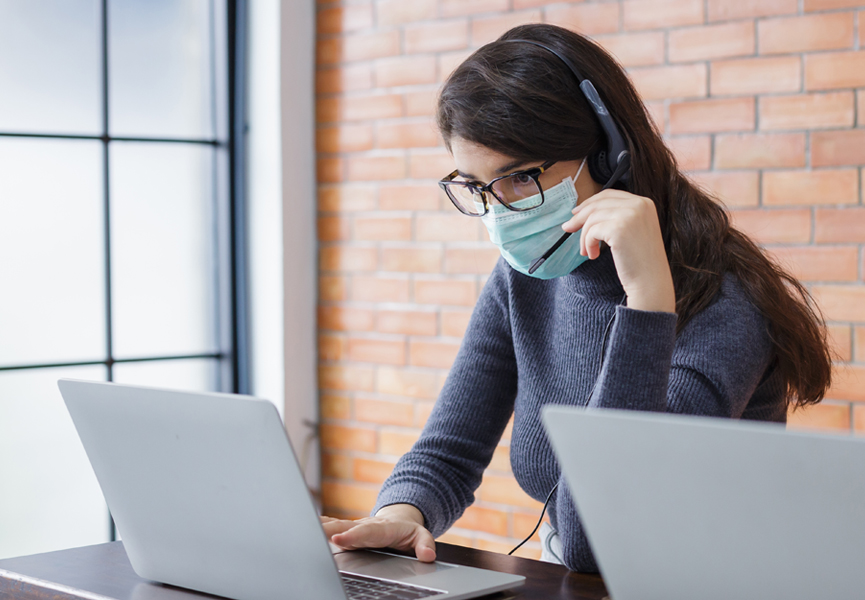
x: 712, y: 369
x: 444, y: 467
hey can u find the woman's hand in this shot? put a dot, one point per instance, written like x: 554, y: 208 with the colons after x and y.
x: 629, y: 225
x: 399, y: 526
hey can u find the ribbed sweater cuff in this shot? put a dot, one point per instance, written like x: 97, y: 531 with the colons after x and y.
x: 636, y: 368
x: 434, y: 518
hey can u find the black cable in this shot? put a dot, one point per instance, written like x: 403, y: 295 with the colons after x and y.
x: 591, y: 393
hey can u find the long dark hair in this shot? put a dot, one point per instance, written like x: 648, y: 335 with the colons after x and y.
x: 521, y: 101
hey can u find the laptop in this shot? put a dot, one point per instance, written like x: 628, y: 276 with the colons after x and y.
x: 694, y: 507
x: 207, y: 494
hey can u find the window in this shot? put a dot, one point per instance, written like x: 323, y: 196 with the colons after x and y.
x: 118, y: 231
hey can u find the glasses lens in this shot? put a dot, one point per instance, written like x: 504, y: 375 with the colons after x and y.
x: 466, y: 197
x: 519, y: 191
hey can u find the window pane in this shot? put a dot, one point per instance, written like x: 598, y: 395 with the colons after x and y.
x: 50, y: 66
x: 50, y: 497
x: 160, y: 68
x: 197, y: 375
x: 52, y: 244
x: 163, y: 255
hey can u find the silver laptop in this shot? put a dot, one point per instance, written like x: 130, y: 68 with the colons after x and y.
x: 207, y: 494
x: 682, y: 507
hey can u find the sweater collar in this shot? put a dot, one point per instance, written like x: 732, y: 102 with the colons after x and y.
x: 596, y: 277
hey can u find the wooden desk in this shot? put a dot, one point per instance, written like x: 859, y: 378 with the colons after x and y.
x: 103, y: 572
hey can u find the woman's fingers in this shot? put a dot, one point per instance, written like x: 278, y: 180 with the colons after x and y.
x: 384, y: 533
x: 334, y: 527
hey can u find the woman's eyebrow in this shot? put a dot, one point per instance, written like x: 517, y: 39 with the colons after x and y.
x: 510, y: 166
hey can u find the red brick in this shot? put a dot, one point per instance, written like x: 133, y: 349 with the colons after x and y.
x: 364, y: 46
x: 390, y: 352
x: 384, y: 412
x: 341, y: 377
x: 468, y: 261
x: 657, y: 114
x: 679, y: 81
x: 347, y: 258
x: 407, y: 382
x: 332, y: 288
x: 836, y: 148
x: 661, y: 14
x: 449, y: 61
x: 428, y: 353
x: 774, y: 226
x: 339, y: 437
x: 412, y: 260
x: 848, y: 383
x: 371, y: 471
x: 587, y: 19
x: 860, y: 345
x: 436, y: 36
x: 733, y: 189
x: 429, y: 165
x: 396, y: 443
x: 397, y: 12
x: 760, y: 150
x: 382, y: 228
x: 373, y: 168
x: 346, y: 198
x: 331, y: 229
x: 756, y: 76
x: 834, y: 70
x: 484, y: 519
x: 336, y: 466
x: 488, y: 29
x: 693, y: 153
x: 826, y: 186
x: 831, y: 31
x: 711, y: 41
x: 422, y: 412
x: 405, y: 70
x: 860, y: 94
x: 341, y: 318
x: 839, y: 225
x: 331, y: 347
x: 344, y: 138
x: 820, y: 263
x: 807, y: 111
x: 344, y: 18
x: 358, y: 108
x: 524, y: 523
x: 635, y: 49
x: 443, y: 227
x: 841, y: 303
x: 839, y: 337
x: 450, y: 292
x: 452, y: 8
x: 349, y: 78
x: 407, y: 322
x: 455, y: 322
x: 734, y: 114
x: 395, y: 134
x: 410, y: 197
x: 379, y: 289
x: 820, y: 417
x: 335, y: 406
x: 329, y: 170
x: 348, y: 496
x: 505, y: 490
x: 501, y: 460
x: 813, y: 5
x: 421, y: 104
x: 725, y: 10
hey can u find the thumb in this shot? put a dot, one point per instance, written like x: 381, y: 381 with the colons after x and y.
x: 425, y: 546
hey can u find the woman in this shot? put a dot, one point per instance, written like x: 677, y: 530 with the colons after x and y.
x: 657, y: 304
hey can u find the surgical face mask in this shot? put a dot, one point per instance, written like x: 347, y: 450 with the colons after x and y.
x: 522, y: 237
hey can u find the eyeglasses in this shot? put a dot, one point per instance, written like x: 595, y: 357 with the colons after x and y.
x: 518, y: 191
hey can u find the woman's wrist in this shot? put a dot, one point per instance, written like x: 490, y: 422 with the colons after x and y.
x: 401, y: 512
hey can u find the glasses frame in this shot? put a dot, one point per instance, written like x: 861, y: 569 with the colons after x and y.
x: 535, y: 172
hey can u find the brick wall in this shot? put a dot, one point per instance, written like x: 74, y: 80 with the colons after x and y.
x: 763, y: 101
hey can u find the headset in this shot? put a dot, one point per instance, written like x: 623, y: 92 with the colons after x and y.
x: 613, y: 163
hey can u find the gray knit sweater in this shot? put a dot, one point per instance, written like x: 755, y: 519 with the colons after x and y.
x: 532, y: 342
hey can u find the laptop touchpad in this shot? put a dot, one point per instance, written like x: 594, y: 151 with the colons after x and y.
x: 385, y: 566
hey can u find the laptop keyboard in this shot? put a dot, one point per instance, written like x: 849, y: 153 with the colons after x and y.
x: 365, y: 588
